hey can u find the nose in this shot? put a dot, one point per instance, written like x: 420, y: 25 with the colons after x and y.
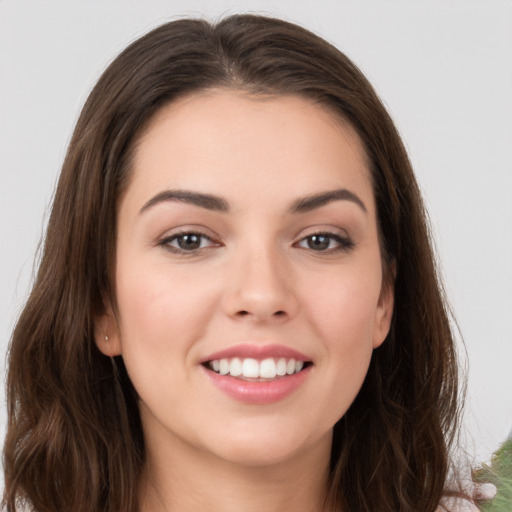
x: 260, y: 287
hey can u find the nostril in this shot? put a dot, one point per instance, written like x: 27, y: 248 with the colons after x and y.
x: 243, y: 313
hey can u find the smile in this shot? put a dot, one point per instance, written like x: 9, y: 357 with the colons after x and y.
x: 254, y: 370
x: 257, y: 374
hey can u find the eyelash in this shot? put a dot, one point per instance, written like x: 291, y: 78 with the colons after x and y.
x: 344, y: 243
x: 166, y: 243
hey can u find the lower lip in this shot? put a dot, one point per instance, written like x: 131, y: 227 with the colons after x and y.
x: 253, y: 392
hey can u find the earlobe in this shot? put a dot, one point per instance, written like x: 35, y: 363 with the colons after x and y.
x: 106, y: 334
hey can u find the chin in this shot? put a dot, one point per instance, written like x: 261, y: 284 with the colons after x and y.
x: 257, y: 457
x: 265, y: 448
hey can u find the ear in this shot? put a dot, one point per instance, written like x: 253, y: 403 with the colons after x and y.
x: 106, y: 333
x: 384, y: 313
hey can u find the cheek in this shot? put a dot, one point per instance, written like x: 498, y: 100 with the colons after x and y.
x: 344, y: 308
x: 343, y: 313
x: 161, y: 311
x: 163, y: 314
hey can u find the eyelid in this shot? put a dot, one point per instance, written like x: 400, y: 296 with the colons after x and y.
x: 322, y: 229
x: 344, y: 240
x: 171, y: 235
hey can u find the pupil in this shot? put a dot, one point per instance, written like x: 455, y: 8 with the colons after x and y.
x: 318, y: 242
x: 189, y: 242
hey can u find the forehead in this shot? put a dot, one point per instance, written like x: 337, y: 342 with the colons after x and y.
x: 224, y: 141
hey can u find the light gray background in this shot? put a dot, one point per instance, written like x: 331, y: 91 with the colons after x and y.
x: 444, y: 69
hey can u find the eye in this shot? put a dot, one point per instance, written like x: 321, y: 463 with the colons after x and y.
x: 326, y: 242
x: 187, y: 242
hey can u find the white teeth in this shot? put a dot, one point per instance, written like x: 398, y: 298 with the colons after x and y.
x: 281, y: 367
x: 267, y: 369
x: 235, y: 368
x: 250, y: 368
x: 290, y: 367
x: 223, y: 366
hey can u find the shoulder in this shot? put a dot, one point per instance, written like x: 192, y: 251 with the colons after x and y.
x: 481, y: 492
x: 452, y: 504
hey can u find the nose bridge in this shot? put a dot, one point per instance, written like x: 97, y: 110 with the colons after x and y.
x: 260, y: 285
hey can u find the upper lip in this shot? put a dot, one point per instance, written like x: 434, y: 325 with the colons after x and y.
x: 256, y: 351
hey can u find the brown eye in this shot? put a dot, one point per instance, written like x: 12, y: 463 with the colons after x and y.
x: 187, y: 242
x: 318, y: 242
x: 326, y: 242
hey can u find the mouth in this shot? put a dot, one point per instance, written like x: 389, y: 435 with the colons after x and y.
x: 257, y: 374
x: 257, y: 370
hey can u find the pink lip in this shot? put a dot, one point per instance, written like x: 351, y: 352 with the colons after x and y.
x: 257, y: 352
x: 254, y: 392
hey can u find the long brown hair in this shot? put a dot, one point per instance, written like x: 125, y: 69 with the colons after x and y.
x: 74, y: 439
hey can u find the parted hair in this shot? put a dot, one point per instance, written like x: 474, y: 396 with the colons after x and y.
x: 74, y: 437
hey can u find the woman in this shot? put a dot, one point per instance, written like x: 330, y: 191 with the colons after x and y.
x: 237, y: 306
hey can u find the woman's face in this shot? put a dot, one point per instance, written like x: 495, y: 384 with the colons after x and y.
x: 247, y: 249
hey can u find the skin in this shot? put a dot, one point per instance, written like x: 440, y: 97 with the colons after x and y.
x: 254, y: 279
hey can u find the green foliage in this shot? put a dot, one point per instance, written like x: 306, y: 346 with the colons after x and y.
x: 500, y: 474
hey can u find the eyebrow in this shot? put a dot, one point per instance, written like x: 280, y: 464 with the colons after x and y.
x: 185, y: 196
x: 215, y: 203
x: 314, y: 201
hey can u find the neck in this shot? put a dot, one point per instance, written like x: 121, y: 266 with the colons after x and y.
x: 181, y: 478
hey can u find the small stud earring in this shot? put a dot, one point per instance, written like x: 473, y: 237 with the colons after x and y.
x: 106, y: 338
